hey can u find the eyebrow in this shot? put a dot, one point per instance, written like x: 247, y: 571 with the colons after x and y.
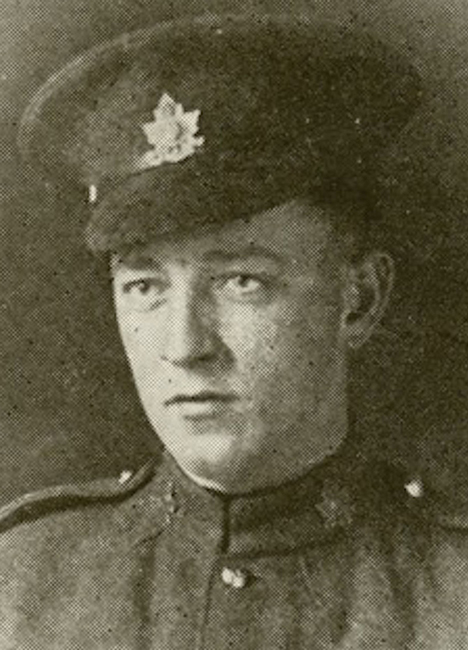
x: 136, y: 262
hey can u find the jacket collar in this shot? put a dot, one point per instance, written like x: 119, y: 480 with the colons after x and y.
x: 279, y: 520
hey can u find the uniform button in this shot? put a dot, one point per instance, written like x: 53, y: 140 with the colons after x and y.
x: 415, y: 488
x: 236, y: 578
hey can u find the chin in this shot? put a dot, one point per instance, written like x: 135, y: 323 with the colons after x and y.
x: 209, y: 456
x: 212, y: 448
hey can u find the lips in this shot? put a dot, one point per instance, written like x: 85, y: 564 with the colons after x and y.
x: 202, y: 406
x: 200, y: 398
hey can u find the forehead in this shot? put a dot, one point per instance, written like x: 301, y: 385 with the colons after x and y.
x: 293, y: 232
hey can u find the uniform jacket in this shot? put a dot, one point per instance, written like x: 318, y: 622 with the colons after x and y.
x: 342, y: 559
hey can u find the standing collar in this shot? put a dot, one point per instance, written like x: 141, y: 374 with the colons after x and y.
x: 277, y: 520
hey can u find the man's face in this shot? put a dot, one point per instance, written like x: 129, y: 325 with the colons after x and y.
x: 236, y: 341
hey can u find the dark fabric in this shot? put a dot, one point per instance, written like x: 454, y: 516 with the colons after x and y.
x: 324, y: 565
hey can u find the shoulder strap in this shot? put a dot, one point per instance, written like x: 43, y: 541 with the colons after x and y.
x: 64, y: 497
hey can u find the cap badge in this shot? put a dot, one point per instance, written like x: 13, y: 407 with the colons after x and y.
x: 172, y: 134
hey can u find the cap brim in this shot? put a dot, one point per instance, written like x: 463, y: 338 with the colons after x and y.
x: 180, y: 197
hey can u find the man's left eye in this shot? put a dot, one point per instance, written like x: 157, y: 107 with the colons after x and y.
x: 243, y: 285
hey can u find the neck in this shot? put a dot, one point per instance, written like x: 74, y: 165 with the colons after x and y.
x: 262, y: 473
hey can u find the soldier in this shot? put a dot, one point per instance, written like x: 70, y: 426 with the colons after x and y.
x: 233, y: 167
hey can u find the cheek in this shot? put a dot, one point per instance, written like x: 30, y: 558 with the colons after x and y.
x: 141, y: 339
x: 284, y: 336
x: 249, y: 333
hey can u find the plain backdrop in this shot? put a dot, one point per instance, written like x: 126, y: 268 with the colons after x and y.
x: 68, y: 410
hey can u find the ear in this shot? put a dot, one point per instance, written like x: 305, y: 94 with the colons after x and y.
x: 366, y: 293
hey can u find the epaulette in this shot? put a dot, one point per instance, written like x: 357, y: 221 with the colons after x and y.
x: 452, y: 520
x: 35, y: 505
x: 445, y: 513
x: 389, y: 491
x: 420, y: 500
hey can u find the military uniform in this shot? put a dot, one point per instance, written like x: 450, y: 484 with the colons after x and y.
x: 345, y: 558
x: 194, y: 124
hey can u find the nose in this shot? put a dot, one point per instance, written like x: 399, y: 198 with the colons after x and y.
x: 191, y: 336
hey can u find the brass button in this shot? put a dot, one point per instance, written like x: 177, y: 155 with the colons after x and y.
x: 415, y: 488
x: 236, y: 578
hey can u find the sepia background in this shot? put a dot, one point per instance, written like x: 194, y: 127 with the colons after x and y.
x: 68, y: 410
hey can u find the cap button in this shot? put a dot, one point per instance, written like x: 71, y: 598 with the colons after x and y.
x: 92, y: 194
x: 125, y: 476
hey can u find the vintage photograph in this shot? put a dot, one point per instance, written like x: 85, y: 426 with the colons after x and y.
x: 233, y: 315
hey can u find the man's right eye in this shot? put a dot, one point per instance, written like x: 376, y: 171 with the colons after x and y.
x: 138, y: 286
x: 144, y: 293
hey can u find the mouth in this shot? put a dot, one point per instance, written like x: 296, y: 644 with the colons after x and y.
x: 201, y: 406
x: 204, y: 397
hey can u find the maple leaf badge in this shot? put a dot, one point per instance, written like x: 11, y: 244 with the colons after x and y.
x: 172, y: 134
